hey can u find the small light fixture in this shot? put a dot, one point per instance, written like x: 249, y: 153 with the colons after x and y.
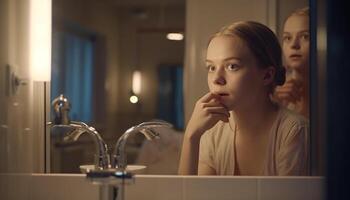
x: 136, y: 87
x: 134, y: 99
x: 40, y: 16
x: 175, y: 36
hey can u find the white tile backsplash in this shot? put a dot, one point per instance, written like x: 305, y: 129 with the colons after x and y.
x: 63, y: 187
x: 15, y: 186
x: 208, y: 188
x: 150, y: 187
x: 316, y: 188
x: 289, y: 188
x: 225, y: 187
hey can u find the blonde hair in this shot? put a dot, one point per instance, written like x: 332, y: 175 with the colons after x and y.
x: 262, y: 42
x: 301, y: 11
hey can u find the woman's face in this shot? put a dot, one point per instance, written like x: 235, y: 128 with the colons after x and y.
x: 296, y: 41
x: 233, y: 72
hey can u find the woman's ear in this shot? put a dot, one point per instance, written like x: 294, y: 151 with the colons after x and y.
x: 269, y: 75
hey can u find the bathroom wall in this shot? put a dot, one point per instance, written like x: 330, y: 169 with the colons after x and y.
x: 21, y: 140
x: 3, y: 101
x: 21, y: 135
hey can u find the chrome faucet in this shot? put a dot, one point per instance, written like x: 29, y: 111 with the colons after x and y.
x: 146, y: 128
x: 101, y: 159
x: 73, y: 130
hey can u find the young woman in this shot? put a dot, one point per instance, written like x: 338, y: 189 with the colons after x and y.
x: 235, y: 129
x: 294, y: 94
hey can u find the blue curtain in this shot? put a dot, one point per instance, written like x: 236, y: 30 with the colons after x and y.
x: 170, y: 95
x: 72, y: 69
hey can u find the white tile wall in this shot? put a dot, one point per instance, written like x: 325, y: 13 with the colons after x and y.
x: 316, y: 188
x: 15, y: 186
x: 276, y: 188
x: 208, y: 188
x: 63, y: 187
x: 155, y: 187
x: 151, y: 187
x: 47, y: 186
x: 215, y: 187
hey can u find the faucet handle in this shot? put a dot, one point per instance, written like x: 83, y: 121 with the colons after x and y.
x: 150, y: 134
x: 155, y: 123
x: 147, y: 129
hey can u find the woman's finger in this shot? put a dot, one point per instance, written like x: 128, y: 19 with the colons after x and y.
x: 218, y: 110
x: 209, y: 96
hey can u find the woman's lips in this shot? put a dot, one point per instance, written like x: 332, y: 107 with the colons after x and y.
x: 295, y: 56
x: 223, y: 94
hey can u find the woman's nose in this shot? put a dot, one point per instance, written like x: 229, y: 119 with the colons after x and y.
x: 296, y: 43
x: 219, y: 78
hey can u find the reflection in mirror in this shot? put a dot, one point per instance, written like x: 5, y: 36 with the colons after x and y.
x: 294, y: 94
x: 98, y: 47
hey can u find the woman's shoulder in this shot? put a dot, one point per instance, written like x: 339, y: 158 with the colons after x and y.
x: 291, y: 125
x: 290, y: 118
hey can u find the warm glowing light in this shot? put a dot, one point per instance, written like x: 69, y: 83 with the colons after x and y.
x: 175, y: 36
x: 40, y: 17
x: 136, y: 82
x: 134, y: 99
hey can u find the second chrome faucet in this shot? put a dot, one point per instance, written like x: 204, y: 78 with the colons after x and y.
x: 146, y: 128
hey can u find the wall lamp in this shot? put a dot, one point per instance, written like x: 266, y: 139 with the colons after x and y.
x: 40, y: 30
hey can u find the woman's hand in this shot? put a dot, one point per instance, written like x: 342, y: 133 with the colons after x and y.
x: 290, y: 92
x: 207, y: 112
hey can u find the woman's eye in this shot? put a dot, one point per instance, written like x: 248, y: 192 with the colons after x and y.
x: 286, y: 38
x: 305, y: 37
x: 211, y: 68
x: 232, y: 67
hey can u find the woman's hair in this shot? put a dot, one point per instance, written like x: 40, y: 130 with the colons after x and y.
x: 301, y: 11
x: 262, y: 42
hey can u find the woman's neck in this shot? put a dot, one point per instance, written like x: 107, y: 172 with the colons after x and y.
x: 254, y: 119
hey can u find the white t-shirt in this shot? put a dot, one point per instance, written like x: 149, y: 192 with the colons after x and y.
x: 288, y: 148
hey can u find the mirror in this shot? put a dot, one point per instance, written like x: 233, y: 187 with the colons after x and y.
x: 98, y: 47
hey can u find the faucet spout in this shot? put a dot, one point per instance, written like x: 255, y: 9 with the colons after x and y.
x: 102, y: 160
x: 146, y: 128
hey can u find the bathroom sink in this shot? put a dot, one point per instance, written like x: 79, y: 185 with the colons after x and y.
x: 135, y: 169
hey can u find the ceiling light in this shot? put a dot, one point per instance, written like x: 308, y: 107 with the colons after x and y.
x: 175, y: 36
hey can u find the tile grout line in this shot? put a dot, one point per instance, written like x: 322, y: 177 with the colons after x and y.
x: 257, y: 189
x: 183, y: 188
